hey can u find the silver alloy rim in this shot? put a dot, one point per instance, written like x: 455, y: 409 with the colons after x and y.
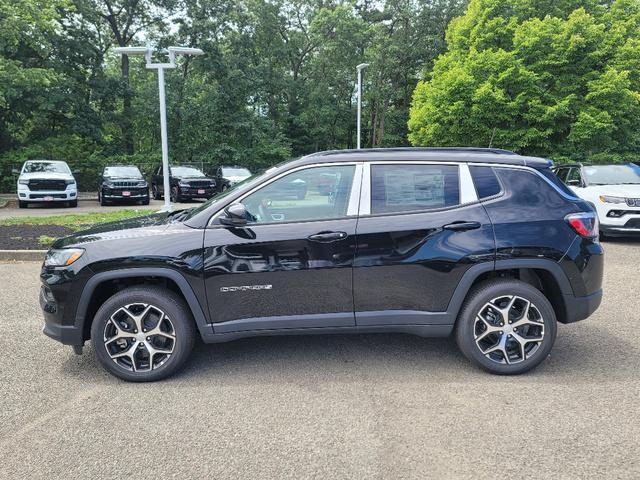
x: 139, y: 337
x: 509, y: 329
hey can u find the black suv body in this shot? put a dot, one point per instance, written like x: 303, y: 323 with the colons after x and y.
x: 484, y: 243
x: 186, y: 183
x: 122, y: 183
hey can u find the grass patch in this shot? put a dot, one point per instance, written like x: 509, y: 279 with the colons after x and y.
x: 77, y: 221
x: 46, y: 240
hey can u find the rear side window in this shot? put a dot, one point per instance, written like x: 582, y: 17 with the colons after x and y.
x: 486, y: 182
x: 405, y: 188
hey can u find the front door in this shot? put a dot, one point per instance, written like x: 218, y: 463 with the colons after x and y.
x: 291, y: 266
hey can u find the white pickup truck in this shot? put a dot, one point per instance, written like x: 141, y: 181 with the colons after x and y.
x: 46, y: 181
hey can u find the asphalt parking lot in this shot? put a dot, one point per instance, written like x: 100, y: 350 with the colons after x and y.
x: 363, y: 406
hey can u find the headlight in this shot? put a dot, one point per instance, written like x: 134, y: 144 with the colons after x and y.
x: 607, y: 199
x: 142, y: 184
x: 23, y: 182
x: 182, y: 184
x: 70, y: 182
x: 62, y: 257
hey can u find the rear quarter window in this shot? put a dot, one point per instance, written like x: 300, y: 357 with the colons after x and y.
x: 548, y: 173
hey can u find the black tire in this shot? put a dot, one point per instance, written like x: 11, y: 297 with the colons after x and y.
x: 145, y: 201
x: 72, y: 203
x: 103, y: 202
x: 174, y: 308
x: 22, y: 204
x: 175, y: 195
x: 154, y: 192
x: 465, y: 332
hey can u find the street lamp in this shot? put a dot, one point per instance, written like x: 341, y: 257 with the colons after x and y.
x: 148, y: 52
x: 359, y: 69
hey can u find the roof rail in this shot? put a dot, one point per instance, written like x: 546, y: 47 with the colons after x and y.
x: 497, y: 151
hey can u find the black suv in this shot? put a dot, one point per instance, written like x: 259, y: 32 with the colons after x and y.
x: 186, y: 183
x: 485, y: 244
x: 122, y: 183
x: 227, y: 177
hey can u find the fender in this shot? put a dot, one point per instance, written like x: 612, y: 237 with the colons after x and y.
x: 192, y: 301
x: 474, y: 272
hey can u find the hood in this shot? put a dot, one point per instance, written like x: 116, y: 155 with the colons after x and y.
x: 186, y: 179
x: 131, y: 228
x: 47, y: 176
x: 124, y: 179
x: 626, y: 191
x: 237, y: 178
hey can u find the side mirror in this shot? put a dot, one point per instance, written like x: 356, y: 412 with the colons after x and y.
x: 574, y: 183
x: 234, y: 216
x: 75, y: 172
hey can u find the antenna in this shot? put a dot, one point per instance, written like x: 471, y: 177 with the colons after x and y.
x: 492, y: 135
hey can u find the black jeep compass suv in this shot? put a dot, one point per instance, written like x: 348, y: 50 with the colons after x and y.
x: 482, y: 243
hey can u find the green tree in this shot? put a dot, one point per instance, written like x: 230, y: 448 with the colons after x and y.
x: 546, y: 78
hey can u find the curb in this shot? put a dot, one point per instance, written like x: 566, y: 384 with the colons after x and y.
x: 22, y: 255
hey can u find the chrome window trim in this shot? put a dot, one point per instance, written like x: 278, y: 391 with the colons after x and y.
x: 350, y: 207
x: 468, y: 194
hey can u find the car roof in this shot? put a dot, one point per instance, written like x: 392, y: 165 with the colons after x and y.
x: 45, y: 161
x: 440, y: 154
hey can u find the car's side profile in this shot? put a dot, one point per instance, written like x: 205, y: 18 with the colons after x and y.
x: 481, y: 243
x: 185, y: 183
x: 612, y: 190
x: 122, y: 183
x: 46, y: 181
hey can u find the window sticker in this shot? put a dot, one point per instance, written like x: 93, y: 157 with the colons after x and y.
x: 414, y: 189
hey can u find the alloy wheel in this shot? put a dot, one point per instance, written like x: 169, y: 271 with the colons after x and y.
x: 508, y: 329
x: 139, y: 337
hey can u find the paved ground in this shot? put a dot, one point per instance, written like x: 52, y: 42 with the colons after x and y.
x: 370, y: 406
x: 84, y: 206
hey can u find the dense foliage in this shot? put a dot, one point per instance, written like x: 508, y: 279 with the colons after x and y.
x: 277, y: 78
x: 558, y: 78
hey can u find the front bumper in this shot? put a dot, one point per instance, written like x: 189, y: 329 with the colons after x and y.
x: 133, y: 194
x: 194, y: 192
x: 47, y: 196
x: 53, y: 318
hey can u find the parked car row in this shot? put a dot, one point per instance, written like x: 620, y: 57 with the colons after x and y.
x: 49, y: 181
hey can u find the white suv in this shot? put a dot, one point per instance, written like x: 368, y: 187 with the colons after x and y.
x: 46, y: 181
x: 613, y: 190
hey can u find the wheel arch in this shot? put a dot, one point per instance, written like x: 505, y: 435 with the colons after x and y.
x: 544, y: 274
x: 103, y: 285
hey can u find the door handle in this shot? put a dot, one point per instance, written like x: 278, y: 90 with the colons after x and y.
x: 462, y: 226
x: 325, y: 237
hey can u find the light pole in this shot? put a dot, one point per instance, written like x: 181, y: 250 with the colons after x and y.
x: 161, y: 67
x: 359, y: 69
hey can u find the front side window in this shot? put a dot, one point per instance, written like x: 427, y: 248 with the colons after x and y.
x: 316, y: 193
x: 405, y: 188
x: 573, y: 178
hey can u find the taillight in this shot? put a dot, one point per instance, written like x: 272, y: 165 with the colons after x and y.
x: 585, y: 223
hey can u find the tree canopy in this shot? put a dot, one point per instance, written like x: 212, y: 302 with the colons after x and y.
x: 557, y: 78
x: 277, y: 78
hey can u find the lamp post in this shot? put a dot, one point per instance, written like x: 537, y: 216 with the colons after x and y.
x: 359, y: 69
x: 161, y: 67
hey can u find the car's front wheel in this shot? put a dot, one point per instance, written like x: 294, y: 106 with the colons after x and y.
x: 506, y: 326
x: 143, y: 334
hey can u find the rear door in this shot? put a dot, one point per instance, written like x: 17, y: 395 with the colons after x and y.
x: 291, y: 266
x: 420, y: 229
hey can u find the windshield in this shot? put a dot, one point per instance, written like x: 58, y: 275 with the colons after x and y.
x: 123, y: 172
x: 186, y: 172
x: 612, y: 174
x: 49, y: 167
x: 235, y: 172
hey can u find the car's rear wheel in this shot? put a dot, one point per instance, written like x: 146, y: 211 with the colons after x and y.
x: 143, y: 334
x: 154, y: 192
x: 506, y: 326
